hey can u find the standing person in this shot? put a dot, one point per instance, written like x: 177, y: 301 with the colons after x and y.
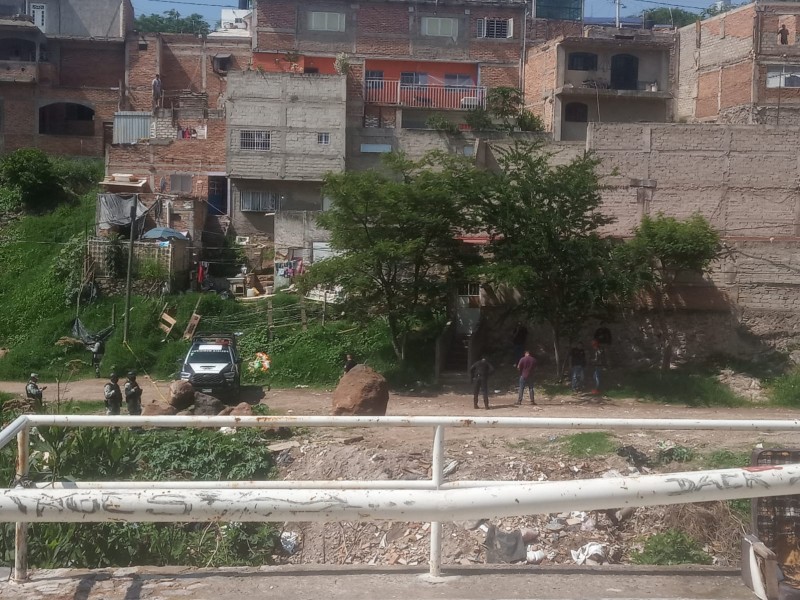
x: 34, y: 392
x: 157, y: 89
x: 783, y: 35
x: 577, y: 363
x: 599, y: 363
x: 98, y: 348
x: 525, y: 366
x: 112, y: 395
x: 349, y: 363
x: 479, y: 374
x: 133, y: 395
x: 518, y: 339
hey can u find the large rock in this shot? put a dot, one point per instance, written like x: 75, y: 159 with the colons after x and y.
x: 181, y: 394
x: 361, y: 391
x: 157, y: 408
x: 207, y: 406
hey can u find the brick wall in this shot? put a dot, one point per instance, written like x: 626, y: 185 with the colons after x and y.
x: 79, y: 66
x: 541, y: 69
x: 715, y: 64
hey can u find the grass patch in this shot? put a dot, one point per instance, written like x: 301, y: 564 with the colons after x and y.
x: 588, y: 443
x: 726, y: 459
x: 672, y: 547
x: 691, y: 388
x: 785, y: 389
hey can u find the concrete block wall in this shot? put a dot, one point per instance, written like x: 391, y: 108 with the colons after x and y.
x: 294, y: 109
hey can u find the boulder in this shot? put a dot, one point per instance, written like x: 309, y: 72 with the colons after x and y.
x: 181, y: 394
x: 225, y: 411
x: 361, y: 391
x: 207, y: 406
x: 157, y: 408
x: 243, y: 409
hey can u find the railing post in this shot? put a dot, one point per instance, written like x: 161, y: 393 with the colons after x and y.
x: 437, y: 475
x: 21, y: 529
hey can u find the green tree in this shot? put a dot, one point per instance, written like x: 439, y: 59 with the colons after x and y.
x: 171, y: 21
x: 29, y: 175
x: 505, y: 103
x: 670, y: 16
x: 396, y: 238
x: 544, y: 222
x: 661, y: 249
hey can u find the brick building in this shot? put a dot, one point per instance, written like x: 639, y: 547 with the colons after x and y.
x: 604, y: 75
x: 55, y: 93
x: 737, y: 67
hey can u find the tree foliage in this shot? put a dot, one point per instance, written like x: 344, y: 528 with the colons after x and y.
x: 670, y: 16
x: 662, y: 248
x: 171, y: 21
x: 28, y: 175
x: 544, y: 226
x: 396, y: 238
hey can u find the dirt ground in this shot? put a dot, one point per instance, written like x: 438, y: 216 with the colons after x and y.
x: 509, y: 453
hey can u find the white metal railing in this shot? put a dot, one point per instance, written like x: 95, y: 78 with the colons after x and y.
x: 395, y: 92
x: 432, y: 500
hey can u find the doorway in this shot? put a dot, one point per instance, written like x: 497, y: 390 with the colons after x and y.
x: 624, y: 72
x: 217, y: 195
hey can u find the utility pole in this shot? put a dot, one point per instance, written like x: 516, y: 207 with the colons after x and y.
x: 617, y: 2
x: 127, y: 319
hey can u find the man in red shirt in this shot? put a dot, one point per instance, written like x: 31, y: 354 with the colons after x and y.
x: 525, y: 366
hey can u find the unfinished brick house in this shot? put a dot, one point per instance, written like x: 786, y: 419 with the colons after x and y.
x: 603, y: 75
x: 738, y: 67
x: 55, y: 93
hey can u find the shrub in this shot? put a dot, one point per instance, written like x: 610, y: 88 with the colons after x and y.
x: 478, y: 119
x: 116, y: 257
x: 785, y: 390
x: 30, y: 172
x: 527, y: 121
x: 440, y: 123
x: 672, y: 547
x: 151, y: 269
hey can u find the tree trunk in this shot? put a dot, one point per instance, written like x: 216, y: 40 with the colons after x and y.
x: 556, y: 349
x: 666, y: 339
x: 397, y: 343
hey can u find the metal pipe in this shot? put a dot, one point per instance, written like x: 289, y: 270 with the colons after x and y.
x: 437, y: 479
x: 373, y: 484
x: 11, y: 430
x: 86, y: 506
x: 21, y: 527
x: 452, y: 421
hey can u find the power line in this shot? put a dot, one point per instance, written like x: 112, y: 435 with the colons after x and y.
x: 195, y: 3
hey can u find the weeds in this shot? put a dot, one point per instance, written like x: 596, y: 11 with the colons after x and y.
x: 588, y: 443
x: 676, y: 387
x: 672, y: 547
x: 785, y: 390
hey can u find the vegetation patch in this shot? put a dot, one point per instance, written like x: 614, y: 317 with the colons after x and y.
x: 672, y: 547
x: 680, y: 386
x: 588, y: 443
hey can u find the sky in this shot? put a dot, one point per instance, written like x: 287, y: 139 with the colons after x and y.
x: 594, y: 8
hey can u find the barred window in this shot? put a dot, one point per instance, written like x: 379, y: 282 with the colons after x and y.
x: 323, y: 139
x: 258, y: 201
x: 496, y: 28
x: 251, y: 139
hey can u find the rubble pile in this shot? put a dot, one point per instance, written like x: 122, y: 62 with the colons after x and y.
x: 591, y: 538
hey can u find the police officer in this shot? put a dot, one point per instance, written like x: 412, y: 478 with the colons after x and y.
x: 112, y: 395
x: 34, y: 392
x: 133, y: 395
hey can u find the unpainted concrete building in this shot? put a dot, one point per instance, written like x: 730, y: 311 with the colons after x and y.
x: 605, y: 75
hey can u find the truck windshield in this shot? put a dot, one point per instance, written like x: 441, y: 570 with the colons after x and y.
x: 209, y: 356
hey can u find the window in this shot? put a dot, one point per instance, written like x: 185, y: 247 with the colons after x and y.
x: 179, y: 183
x: 250, y: 139
x: 469, y: 289
x: 582, y: 61
x: 323, y: 139
x: 410, y: 78
x: 787, y: 76
x: 576, y: 112
x: 374, y: 80
x: 458, y: 80
x: 496, y: 28
x: 222, y: 63
x: 252, y: 201
x: 39, y: 14
x: 440, y: 27
x: 375, y: 148
x: 326, y: 21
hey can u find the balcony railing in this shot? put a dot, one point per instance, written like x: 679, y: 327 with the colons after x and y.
x: 393, y: 92
x: 18, y: 70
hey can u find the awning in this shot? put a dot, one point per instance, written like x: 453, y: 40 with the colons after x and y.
x: 222, y: 56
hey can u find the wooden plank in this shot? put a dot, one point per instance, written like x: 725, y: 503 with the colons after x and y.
x: 166, y: 323
x: 194, y: 321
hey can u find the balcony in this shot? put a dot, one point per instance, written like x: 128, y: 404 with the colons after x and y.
x: 602, y: 88
x: 18, y: 71
x: 396, y: 93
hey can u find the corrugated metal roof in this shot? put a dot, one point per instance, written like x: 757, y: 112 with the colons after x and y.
x: 130, y: 127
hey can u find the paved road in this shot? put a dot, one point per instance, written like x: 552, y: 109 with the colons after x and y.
x: 385, y: 583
